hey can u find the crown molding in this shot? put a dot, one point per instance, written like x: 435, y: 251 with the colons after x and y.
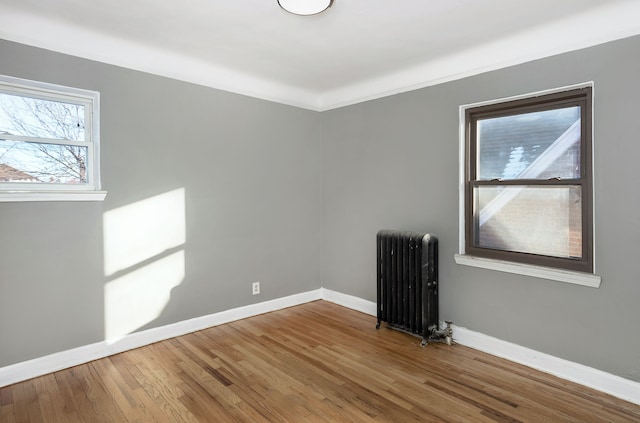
x: 610, y: 22
x: 84, y: 43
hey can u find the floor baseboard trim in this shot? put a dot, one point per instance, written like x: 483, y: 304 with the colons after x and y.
x: 29, y: 369
x: 602, y: 381
x: 617, y: 386
x: 349, y: 301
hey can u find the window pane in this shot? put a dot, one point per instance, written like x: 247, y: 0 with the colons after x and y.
x: 26, y: 162
x: 539, y: 145
x: 32, y: 117
x: 538, y: 220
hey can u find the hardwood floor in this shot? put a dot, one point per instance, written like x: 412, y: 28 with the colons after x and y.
x: 317, y: 362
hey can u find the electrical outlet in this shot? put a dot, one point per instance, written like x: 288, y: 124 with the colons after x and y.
x: 256, y: 288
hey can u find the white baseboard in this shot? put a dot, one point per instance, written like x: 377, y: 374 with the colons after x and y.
x: 349, y: 301
x: 617, y: 386
x: 51, y: 363
x: 614, y: 385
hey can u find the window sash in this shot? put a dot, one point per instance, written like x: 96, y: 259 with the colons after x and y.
x: 89, y: 100
x: 578, y: 97
x: 39, y: 140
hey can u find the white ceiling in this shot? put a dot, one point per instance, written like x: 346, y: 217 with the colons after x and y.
x: 355, y: 51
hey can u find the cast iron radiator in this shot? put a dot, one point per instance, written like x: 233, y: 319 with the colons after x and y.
x: 408, y: 283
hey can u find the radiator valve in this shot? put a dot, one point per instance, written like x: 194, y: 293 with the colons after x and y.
x: 444, y: 335
x: 448, y: 332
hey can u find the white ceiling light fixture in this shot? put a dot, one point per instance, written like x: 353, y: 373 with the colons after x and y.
x: 305, y: 7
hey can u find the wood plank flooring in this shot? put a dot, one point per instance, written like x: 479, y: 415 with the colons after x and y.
x: 317, y: 362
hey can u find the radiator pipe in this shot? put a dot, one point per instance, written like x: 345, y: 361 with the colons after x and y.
x: 446, y: 333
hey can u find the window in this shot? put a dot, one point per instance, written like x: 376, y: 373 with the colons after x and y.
x: 48, y: 141
x: 528, y: 181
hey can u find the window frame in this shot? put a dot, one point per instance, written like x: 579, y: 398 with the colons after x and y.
x: 580, y: 271
x: 90, y: 100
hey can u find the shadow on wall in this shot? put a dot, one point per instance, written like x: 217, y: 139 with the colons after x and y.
x: 144, y: 259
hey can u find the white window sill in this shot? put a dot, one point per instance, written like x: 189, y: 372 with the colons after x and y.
x: 577, y: 278
x: 24, y: 196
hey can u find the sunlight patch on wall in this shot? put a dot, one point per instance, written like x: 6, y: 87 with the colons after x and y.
x: 144, y: 260
x: 139, y: 297
x: 141, y: 230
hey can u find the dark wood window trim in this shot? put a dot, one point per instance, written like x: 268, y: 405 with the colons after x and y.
x: 581, y: 97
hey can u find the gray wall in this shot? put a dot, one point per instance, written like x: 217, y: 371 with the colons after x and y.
x: 262, y: 179
x: 393, y: 163
x: 251, y: 175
